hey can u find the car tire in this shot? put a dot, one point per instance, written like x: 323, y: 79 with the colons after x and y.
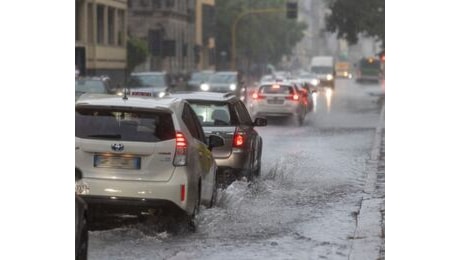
x: 213, y: 201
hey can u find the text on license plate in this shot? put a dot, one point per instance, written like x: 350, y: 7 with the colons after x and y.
x: 119, y: 162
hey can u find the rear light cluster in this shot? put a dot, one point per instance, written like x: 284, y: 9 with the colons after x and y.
x: 239, y: 139
x: 180, y: 157
x: 256, y: 95
x: 294, y: 97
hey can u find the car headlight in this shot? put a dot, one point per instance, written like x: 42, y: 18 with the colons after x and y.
x: 232, y: 86
x: 161, y: 94
x: 329, y: 77
x: 204, y: 87
x: 314, y: 82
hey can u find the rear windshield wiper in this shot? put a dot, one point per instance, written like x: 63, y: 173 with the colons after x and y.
x: 108, y: 136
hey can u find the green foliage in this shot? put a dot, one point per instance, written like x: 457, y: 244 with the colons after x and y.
x: 137, y: 52
x: 262, y: 37
x: 351, y: 17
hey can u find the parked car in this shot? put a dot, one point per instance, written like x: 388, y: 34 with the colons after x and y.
x: 226, y: 115
x: 95, y: 84
x: 226, y: 82
x: 155, y: 84
x: 81, y: 223
x: 140, y: 153
x: 279, y: 99
x: 197, y: 78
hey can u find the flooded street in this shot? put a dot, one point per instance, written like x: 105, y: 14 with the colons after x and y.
x: 304, y: 205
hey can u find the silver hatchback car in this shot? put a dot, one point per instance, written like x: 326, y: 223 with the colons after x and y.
x: 143, y: 153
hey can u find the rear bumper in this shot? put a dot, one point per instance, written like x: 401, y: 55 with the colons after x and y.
x: 113, y: 192
x: 274, y: 110
x: 239, y: 160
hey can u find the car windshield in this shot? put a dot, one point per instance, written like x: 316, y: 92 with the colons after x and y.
x: 212, y: 113
x: 321, y: 69
x: 200, y: 76
x: 223, y: 78
x: 369, y: 64
x: 123, y: 125
x: 139, y: 81
x: 90, y: 86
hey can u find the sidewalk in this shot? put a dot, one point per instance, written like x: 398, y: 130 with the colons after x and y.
x: 369, y: 238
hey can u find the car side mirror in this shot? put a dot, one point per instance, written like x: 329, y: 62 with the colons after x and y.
x: 78, y: 175
x: 260, y: 121
x: 215, y: 141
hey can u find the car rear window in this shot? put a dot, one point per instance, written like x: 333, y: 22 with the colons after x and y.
x: 276, y: 89
x: 124, y: 125
x: 212, y: 113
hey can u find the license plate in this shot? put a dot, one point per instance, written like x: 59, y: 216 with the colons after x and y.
x: 119, y: 162
x: 275, y: 101
x: 147, y: 94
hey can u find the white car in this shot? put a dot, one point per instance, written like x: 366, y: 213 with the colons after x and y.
x: 279, y: 99
x: 143, y: 153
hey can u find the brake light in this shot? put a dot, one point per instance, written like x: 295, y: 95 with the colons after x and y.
x: 294, y: 97
x: 182, y: 192
x: 257, y: 96
x: 180, y: 157
x: 238, y: 139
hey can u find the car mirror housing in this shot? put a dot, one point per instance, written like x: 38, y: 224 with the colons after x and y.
x: 260, y: 121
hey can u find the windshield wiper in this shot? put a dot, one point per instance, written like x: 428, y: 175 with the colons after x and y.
x: 108, y: 136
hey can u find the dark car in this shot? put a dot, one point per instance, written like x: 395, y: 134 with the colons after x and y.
x: 155, y: 84
x: 226, y: 82
x: 98, y: 85
x: 197, y: 78
x: 226, y: 115
x: 81, y: 223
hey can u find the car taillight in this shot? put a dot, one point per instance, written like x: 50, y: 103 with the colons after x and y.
x: 294, y: 97
x: 180, y: 158
x: 255, y: 95
x: 238, y: 139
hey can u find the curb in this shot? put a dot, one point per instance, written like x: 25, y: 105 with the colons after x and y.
x: 367, y: 242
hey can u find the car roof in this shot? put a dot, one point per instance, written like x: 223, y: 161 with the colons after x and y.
x: 165, y: 103
x: 148, y: 73
x: 202, y: 95
x: 227, y: 72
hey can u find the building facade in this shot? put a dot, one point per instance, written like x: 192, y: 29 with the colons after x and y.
x: 100, y: 38
x: 205, y: 48
x: 168, y: 26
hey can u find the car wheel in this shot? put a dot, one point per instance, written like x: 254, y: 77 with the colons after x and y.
x: 82, y: 253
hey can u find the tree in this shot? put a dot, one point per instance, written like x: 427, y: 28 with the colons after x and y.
x: 137, y: 52
x: 349, y: 18
x: 260, y: 38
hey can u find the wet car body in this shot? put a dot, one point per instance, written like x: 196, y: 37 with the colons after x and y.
x: 226, y: 115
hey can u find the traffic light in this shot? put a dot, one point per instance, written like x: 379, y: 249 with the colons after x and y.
x: 291, y: 10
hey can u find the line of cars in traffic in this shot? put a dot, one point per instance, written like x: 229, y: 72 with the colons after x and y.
x: 169, y: 152
x: 158, y: 148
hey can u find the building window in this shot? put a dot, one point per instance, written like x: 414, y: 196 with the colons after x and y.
x: 111, y: 25
x: 100, y: 24
x: 121, y: 28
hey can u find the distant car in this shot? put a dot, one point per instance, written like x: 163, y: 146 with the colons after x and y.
x: 100, y: 85
x: 81, y: 223
x: 227, y: 116
x: 197, y: 78
x: 154, y: 84
x: 310, y: 79
x: 225, y: 82
x: 279, y: 99
x: 139, y: 153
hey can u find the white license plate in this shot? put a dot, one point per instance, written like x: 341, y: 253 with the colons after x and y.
x: 119, y: 162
